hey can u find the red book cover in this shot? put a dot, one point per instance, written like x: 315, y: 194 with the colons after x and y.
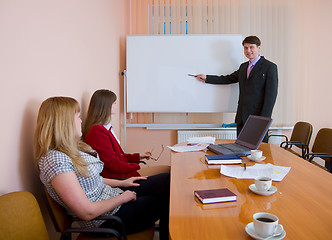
x: 215, y: 195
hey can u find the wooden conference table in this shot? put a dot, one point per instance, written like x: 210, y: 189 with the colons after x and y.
x: 303, y: 201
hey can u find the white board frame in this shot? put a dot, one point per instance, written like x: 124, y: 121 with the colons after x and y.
x: 158, y: 67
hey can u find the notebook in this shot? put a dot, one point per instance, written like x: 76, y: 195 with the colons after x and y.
x: 223, y: 159
x: 250, y: 137
x: 215, y: 195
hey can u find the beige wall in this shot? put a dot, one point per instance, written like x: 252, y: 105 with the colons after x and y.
x: 72, y: 48
x: 319, y: 83
x: 51, y: 48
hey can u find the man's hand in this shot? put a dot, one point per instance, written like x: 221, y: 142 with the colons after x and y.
x: 201, y: 77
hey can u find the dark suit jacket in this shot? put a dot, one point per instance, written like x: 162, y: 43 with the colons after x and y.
x: 258, y: 93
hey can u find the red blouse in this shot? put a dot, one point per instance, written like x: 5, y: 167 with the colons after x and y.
x: 117, y: 164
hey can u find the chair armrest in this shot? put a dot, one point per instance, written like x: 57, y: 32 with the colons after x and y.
x: 289, y: 144
x: 304, y: 147
x: 278, y: 135
x: 285, y: 144
x: 297, y: 143
x: 104, y: 217
x: 107, y: 232
x: 117, y: 224
x: 313, y: 155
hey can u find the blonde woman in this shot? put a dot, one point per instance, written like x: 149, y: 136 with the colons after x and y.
x: 70, y: 171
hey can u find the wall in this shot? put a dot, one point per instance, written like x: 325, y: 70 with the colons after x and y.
x: 51, y: 48
x: 72, y: 48
x: 303, y: 65
x: 317, y: 101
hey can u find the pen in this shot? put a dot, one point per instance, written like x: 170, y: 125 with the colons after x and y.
x: 245, y: 166
x: 191, y: 75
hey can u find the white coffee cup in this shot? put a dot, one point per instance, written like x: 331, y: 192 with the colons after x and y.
x: 256, y: 154
x: 266, y: 224
x: 263, y: 183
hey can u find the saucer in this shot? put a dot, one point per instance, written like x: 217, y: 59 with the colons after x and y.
x: 252, y: 233
x: 272, y: 190
x: 256, y: 160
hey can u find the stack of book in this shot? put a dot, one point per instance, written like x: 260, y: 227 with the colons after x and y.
x: 223, y: 159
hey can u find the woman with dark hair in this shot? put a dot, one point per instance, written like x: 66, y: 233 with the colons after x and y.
x: 70, y: 171
x: 99, y: 134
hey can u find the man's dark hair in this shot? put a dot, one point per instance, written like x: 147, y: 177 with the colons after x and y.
x: 252, y: 40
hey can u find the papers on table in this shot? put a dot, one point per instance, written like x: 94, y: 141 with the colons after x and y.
x: 277, y: 173
x: 186, y: 148
x: 198, y: 140
x: 193, y: 144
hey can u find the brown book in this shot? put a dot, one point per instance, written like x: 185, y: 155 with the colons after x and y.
x: 215, y: 195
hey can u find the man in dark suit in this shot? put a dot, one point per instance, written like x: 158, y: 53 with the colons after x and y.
x: 258, y: 83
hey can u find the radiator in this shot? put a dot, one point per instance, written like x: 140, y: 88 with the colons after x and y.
x: 183, y: 136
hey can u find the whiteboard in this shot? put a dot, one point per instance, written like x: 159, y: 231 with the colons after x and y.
x: 158, y: 67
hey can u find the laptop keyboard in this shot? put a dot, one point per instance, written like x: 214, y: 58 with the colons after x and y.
x: 235, y: 147
x: 229, y: 148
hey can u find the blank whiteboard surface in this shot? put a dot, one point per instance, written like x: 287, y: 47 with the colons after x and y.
x: 158, y: 68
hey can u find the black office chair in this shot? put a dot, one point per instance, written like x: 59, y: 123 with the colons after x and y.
x: 300, y: 138
x: 322, y: 148
x: 63, y: 224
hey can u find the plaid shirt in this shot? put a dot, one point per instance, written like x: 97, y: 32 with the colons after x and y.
x: 55, y: 162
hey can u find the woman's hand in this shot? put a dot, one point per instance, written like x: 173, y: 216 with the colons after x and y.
x: 146, y: 155
x: 130, y: 182
x: 128, y: 196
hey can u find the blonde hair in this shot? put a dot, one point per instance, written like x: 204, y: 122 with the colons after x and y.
x: 56, y: 131
x: 100, y: 109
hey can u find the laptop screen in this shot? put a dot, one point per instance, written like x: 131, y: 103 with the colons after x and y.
x: 253, y: 131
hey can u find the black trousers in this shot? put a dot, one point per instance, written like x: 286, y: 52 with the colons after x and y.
x: 152, y: 204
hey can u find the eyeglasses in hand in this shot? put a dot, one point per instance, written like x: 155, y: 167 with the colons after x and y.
x: 162, y: 150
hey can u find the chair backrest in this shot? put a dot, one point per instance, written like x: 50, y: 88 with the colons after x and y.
x: 21, y: 218
x: 301, y: 133
x: 58, y: 214
x: 323, y: 142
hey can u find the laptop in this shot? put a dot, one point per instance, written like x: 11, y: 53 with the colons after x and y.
x: 250, y: 137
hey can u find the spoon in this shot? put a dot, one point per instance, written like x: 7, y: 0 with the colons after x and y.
x: 273, y: 235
